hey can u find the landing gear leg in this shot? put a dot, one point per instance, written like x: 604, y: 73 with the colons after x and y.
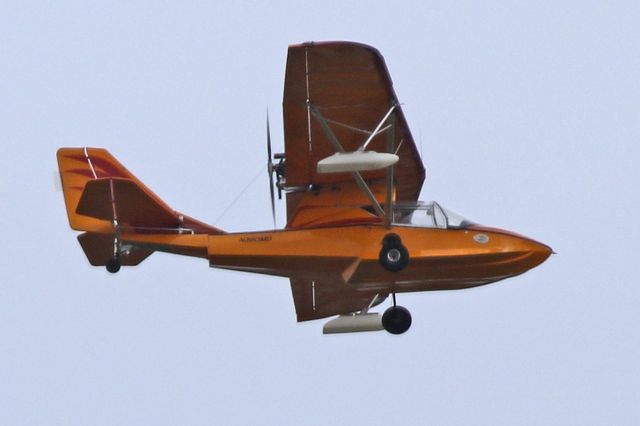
x: 113, y: 264
x: 396, y: 319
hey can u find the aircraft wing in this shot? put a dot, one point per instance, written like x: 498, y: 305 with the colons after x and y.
x: 349, y: 85
x: 326, y: 297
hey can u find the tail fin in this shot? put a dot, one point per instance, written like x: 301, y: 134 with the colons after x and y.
x: 101, y: 194
x: 79, y: 166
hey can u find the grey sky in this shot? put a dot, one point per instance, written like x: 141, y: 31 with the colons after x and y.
x: 529, y: 118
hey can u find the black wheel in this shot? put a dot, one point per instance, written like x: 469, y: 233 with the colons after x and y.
x: 113, y: 265
x: 396, y: 319
x: 394, y: 257
x: 391, y: 240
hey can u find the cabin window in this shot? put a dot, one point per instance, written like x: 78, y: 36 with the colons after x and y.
x: 428, y: 215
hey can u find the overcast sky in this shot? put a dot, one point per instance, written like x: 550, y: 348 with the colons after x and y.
x: 528, y: 117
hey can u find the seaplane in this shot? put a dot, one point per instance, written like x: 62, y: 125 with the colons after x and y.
x: 355, y: 234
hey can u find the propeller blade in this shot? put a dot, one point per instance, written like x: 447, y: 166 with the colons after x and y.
x: 269, y: 162
x: 270, y: 171
x: 57, y: 180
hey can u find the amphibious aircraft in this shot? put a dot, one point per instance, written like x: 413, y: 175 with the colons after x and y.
x: 351, y: 175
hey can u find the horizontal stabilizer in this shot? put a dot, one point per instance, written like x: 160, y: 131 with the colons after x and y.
x: 123, y: 200
x: 99, y: 249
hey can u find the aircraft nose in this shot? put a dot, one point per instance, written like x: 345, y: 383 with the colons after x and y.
x: 539, y: 253
x: 528, y: 253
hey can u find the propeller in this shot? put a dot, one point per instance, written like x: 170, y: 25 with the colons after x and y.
x: 270, y: 170
x: 57, y: 180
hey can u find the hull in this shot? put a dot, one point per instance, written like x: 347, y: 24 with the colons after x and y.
x: 439, y: 259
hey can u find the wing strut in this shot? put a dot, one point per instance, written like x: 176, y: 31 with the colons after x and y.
x: 390, y: 148
x: 338, y: 147
x: 378, y: 129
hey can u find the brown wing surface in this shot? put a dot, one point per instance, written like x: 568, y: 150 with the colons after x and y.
x: 348, y: 83
x: 326, y: 297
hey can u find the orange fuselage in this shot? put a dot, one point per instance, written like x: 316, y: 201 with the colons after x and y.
x: 439, y: 259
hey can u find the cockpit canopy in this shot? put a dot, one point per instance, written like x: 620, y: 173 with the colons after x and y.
x: 428, y: 215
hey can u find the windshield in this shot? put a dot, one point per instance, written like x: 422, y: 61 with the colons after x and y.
x: 429, y: 215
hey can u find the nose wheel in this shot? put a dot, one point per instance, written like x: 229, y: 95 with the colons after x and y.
x: 396, y: 319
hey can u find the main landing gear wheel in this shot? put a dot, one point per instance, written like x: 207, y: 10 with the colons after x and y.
x: 396, y: 319
x: 113, y: 264
x: 393, y: 256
